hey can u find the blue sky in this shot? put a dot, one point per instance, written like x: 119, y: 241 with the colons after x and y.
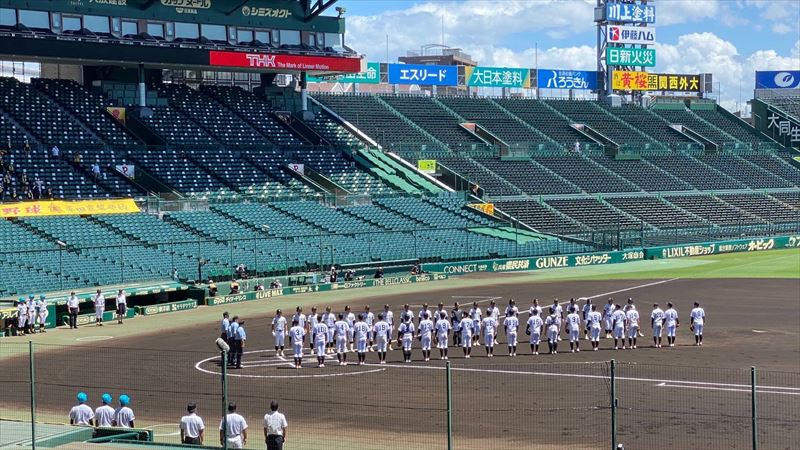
x: 729, y: 38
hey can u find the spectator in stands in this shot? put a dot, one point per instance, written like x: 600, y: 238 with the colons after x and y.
x: 50, y: 195
x: 577, y: 147
x: 77, y: 159
x: 234, y: 287
x: 174, y: 274
x: 26, y: 147
x: 241, y: 271
x: 259, y: 286
x: 349, y: 274
x: 13, y: 196
x: 212, y: 288
x: 73, y: 305
x: 95, y: 171
x: 55, y: 152
x: 24, y: 183
x: 334, y: 275
x: 38, y: 189
x: 378, y: 273
x: 276, y: 284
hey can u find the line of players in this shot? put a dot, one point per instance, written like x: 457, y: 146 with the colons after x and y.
x: 332, y: 333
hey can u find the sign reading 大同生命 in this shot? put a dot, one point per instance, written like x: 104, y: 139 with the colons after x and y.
x: 630, y: 12
x: 625, y: 34
x: 370, y: 76
x: 503, y: 77
x: 566, y: 79
x: 634, y: 57
x: 423, y: 75
x: 778, y: 79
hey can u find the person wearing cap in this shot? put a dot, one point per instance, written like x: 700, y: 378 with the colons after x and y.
x: 279, y: 332
x: 240, y: 338
x: 104, y: 415
x: 192, y: 426
x: 22, y: 316
x: 43, y: 313
x: 123, y: 416
x: 275, y: 426
x: 81, y: 414
x: 234, y: 325
x: 99, y: 307
x: 31, y: 314
x: 122, y: 306
x: 73, y: 305
x: 233, y: 428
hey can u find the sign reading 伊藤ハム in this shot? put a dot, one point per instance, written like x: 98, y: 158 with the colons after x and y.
x: 630, y: 12
x: 634, y: 57
x: 624, y: 34
x: 423, y: 75
x: 504, y: 77
x: 566, y: 79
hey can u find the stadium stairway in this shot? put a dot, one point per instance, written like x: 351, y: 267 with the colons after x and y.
x: 546, y: 119
x: 678, y: 114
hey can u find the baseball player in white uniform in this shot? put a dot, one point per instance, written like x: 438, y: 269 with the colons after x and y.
x: 32, y: 314
x: 104, y: 415
x: 423, y: 310
x: 552, y: 327
x: 475, y: 314
x: 301, y: 319
x: 22, y: 316
x: 608, y: 311
x: 388, y: 317
x: 587, y: 308
x: 81, y: 414
x: 320, y: 338
x: 425, y: 335
x: 43, y: 313
x: 672, y: 323
x: 279, y: 332
x: 330, y: 320
x: 595, y: 319
x: 632, y: 318
x: 442, y: 334
x: 511, y: 325
x: 559, y: 315
x: 698, y: 317
x: 313, y: 319
x: 342, y: 333
x: 99, y: 307
x: 383, y: 334
x: 405, y: 335
x: 535, y: 307
x: 618, y: 319
x: 534, y: 330
x: 494, y: 311
x: 361, y: 335
x: 466, y: 325
x: 369, y: 319
x: 298, y: 335
x: 573, y: 329
x: 350, y: 318
x: 489, y: 326
x: 656, y: 322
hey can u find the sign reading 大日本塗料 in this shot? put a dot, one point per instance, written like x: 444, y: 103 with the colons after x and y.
x: 503, y: 77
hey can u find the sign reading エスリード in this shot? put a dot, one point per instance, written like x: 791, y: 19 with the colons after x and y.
x: 624, y: 80
x: 284, y: 62
x: 423, y: 75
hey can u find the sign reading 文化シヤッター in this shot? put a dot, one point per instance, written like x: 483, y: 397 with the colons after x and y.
x: 624, y: 80
x: 423, y: 75
x: 630, y: 12
x: 634, y: 57
x: 502, y: 77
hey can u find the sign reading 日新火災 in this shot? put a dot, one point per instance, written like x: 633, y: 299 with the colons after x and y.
x: 633, y: 57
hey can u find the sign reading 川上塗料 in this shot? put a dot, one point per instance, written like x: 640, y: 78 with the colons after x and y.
x: 630, y: 12
x: 503, y: 77
x: 625, y: 34
x: 423, y: 75
x: 778, y: 79
x: 370, y: 76
x: 624, y: 80
x: 634, y: 57
x: 284, y: 62
x: 566, y: 79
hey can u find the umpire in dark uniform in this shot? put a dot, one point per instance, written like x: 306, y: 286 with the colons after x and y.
x: 239, y: 338
x: 230, y: 338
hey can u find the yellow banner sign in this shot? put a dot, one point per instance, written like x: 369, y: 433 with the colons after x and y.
x: 488, y: 208
x: 624, y: 80
x: 427, y: 165
x: 68, y: 208
x: 118, y: 113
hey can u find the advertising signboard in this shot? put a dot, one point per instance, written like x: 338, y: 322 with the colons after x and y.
x: 778, y: 79
x: 566, y: 79
x: 630, y: 12
x: 423, y: 75
x: 502, y: 77
x: 625, y: 34
x: 624, y: 80
x: 634, y: 57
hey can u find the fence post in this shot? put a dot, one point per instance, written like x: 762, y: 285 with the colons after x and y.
x: 225, y: 399
x: 32, y: 372
x: 613, y: 405
x: 449, y: 381
x: 753, y: 415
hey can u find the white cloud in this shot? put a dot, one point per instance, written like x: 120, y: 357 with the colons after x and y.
x: 781, y: 28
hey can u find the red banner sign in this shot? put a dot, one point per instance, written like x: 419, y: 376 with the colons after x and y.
x: 285, y: 62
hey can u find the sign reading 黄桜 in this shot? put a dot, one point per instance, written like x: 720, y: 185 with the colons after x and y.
x: 426, y: 165
x: 423, y: 75
x: 635, y: 57
x: 778, y: 79
x: 502, y: 77
x: 625, y: 80
x: 626, y: 34
x: 487, y: 208
x: 630, y: 12
x: 370, y: 76
x: 566, y: 79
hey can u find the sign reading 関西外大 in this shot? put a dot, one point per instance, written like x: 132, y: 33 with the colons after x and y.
x: 630, y: 12
x: 566, y: 79
x: 625, y: 34
x: 634, y: 57
x: 503, y: 77
x: 423, y: 75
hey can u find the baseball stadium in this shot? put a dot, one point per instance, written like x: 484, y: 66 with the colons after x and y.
x: 242, y: 224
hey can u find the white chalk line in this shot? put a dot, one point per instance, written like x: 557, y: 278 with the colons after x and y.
x: 283, y: 362
x: 759, y: 390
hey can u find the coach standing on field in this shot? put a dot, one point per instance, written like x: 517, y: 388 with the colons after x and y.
x: 275, y: 428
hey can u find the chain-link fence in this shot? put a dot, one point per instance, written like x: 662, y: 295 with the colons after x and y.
x: 461, y: 404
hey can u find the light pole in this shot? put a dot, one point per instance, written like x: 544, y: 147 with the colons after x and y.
x: 265, y: 229
x: 61, y: 246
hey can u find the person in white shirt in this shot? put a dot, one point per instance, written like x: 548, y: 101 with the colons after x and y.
x: 437, y: 315
x: 99, y: 307
x: 104, y: 415
x: 233, y: 429
x: 81, y: 414
x: 551, y: 323
x: 275, y: 428
x: 279, y: 332
x: 656, y: 322
x: 512, y: 306
x: 330, y: 320
x: 443, y: 328
x: 455, y: 321
x: 511, y: 325
x: 672, y: 323
x: 22, y: 316
x: 632, y: 318
x: 369, y: 319
x: 388, y: 317
x: 698, y: 318
x: 423, y: 310
x: 342, y: 333
x: 383, y: 333
x: 301, y: 321
x: 535, y: 307
x: 573, y: 329
x: 405, y: 335
x: 595, y: 319
x: 297, y: 334
x: 361, y: 333
x: 122, y: 306
x: 123, y: 416
x: 192, y: 427
x: 320, y: 336
x: 310, y: 326
x: 73, y: 306
x: 559, y: 316
x: 475, y: 314
x: 32, y: 305
x: 489, y: 326
x: 608, y: 310
x: 466, y: 326
x: 618, y: 318
x: 406, y: 312
x: 494, y: 312
x: 350, y: 318
x: 43, y: 313
x: 534, y: 330
x: 223, y: 326
x: 425, y: 335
